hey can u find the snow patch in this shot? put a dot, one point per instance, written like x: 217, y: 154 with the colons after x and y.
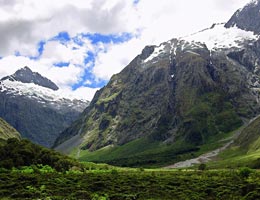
x: 253, y: 2
x: 219, y: 37
x: 157, y: 51
x: 35, y: 91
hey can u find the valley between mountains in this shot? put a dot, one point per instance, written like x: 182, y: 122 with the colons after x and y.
x: 175, y: 100
x: 180, y: 121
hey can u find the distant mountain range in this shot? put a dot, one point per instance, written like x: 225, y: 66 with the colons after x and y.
x: 35, y: 106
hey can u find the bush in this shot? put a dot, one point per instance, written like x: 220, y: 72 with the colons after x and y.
x: 202, y: 166
x: 17, y: 154
x: 244, y: 172
x: 114, y: 172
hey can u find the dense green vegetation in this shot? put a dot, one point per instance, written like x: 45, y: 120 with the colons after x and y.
x: 211, y: 118
x: 211, y: 115
x: 148, y: 153
x: 140, y: 153
x: 245, y: 151
x: 15, y: 153
x: 133, y: 184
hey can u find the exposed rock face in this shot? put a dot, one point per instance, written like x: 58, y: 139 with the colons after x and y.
x: 25, y: 75
x: 33, y: 105
x: 186, y: 89
x: 178, y: 91
x: 247, y: 18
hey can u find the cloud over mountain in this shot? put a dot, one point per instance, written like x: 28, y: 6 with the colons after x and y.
x: 78, y: 42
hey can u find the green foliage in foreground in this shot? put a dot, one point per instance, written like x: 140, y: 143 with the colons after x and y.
x: 133, y: 184
x: 15, y: 153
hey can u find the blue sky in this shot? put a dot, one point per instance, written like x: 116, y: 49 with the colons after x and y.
x: 80, y: 44
x: 87, y: 77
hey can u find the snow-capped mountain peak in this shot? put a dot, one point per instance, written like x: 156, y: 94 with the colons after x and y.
x: 26, y: 75
x: 215, y: 38
x: 36, y: 107
x: 220, y: 37
x: 32, y: 85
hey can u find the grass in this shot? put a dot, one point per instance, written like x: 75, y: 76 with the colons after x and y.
x: 108, y: 99
x: 131, y: 184
x: 151, y: 154
x: 234, y: 157
x: 244, y: 152
x: 139, y: 153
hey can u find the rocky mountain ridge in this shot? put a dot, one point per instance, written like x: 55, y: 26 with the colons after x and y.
x: 36, y: 107
x: 246, y: 18
x: 26, y: 75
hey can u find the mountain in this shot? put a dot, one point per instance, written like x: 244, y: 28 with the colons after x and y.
x: 246, y: 18
x: 172, y: 98
x: 7, y: 131
x: 26, y: 75
x: 36, y: 107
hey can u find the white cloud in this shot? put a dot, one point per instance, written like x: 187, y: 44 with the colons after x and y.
x: 63, y: 77
x: 24, y: 23
x: 161, y: 21
x: 10, y: 64
x: 116, y: 58
x: 70, y: 52
x: 28, y: 22
x: 85, y: 92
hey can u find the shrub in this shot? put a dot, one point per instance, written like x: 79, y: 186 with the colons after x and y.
x: 114, y: 172
x: 202, y: 166
x: 244, y: 172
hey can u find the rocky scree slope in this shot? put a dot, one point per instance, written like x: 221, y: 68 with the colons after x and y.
x: 184, y: 90
x: 34, y: 106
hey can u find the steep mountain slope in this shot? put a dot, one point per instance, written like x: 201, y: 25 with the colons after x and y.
x: 247, y: 18
x: 7, y: 131
x: 249, y: 139
x: 173, y: 96
x: 243, y: 151
x: 35, y: 107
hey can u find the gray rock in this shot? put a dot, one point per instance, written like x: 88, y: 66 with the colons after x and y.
x: 38, y: 118
x: 247, y: 18
x: 25, y: 75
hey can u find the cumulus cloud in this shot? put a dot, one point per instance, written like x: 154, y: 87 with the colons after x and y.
x: 23, y: 24
x: 159, y: 22
x: 85, y: 92
x: 116, y: 58
x: 231, y: 5
x: 28, y: 22
x: 58, y: 52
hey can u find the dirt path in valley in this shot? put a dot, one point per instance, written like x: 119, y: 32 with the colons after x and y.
x: 204, y: 158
